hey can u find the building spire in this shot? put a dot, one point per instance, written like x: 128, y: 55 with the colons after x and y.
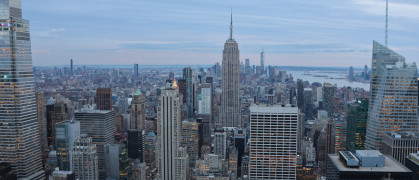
x: 386, y: 23
x: 231, y: 25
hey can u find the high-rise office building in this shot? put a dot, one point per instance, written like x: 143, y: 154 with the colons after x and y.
x: 83, y: 158
x: 66, y: 134
x: 190, y: 138
x: 273, y: 142
x: 308, y: 103
x: 351, y: 76
x: 56, y: 112
x: 399, y: 145
x: 187, y: 75
x: 247, y: 66
x: 101, y: 127
x: 230, y: 107
x: 104, y: 98
x: 366, y: 75
x: 204, y: 98
x: 135, y: 145
x: 393, y: 96
x: 220, y: 144
x: 262, y: 61
x: 138, y: 111
x: 300, y: 94
x: 339, y: 134
x: 71, y: 68
x: 113, y: 155
x: 135, y: 71
x: 168, y: 134
x: 328, y: 98
x: 19, y: 132
x: 42, y: 123
x: 357, y: 125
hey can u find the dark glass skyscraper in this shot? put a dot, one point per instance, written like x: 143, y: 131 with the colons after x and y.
x: 187, y: 75
x: 19, y: 133
x: 230, y: 107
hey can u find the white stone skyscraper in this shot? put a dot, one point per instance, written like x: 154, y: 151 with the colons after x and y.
x: 230, y: 107
x: 393, y: 96
x: 273, y: 142
x: 83, y: 159
x: 169, y: 127
x: 19, y: 132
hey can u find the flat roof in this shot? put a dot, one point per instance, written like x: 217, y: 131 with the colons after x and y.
x: 391, y: 166
x: 276, y: 109
x: 369, y: 153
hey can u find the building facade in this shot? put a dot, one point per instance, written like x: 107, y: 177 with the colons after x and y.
x: 100, y: 126
x: 394, y: 91
x: 273, y: 142
x: 357, y: 125
x: 104, y: 98
x: 19, y: 132
x: 66, y: 134
x: 83, y: 159
x: 230, y: 107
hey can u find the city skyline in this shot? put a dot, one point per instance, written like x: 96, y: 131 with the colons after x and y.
x: 326, y: 34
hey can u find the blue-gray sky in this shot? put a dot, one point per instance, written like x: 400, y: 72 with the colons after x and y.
x: 154, y: 32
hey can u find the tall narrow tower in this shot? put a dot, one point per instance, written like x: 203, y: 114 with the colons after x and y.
x: 71, y: 68
x: 19, y: 132
x: 262, y: 61
x: 230, y: 108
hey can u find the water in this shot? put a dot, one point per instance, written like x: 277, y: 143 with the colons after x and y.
x: 339, y: 78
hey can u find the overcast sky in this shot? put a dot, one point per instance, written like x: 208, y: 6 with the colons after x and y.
x: 156, y: 32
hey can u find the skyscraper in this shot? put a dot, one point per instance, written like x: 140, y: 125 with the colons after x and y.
x: 273, y: 142
x: 328, y: 98
x: 138, y: 111
x: 19, y: 133
x: 300, y: 94
x: 56, y: 112
x: 357, y: 125
x: 168, y: 134
x: 220, y: 144
x: 104, y: 98
x: 190, y: 138
x: 247, y: 66
x: 83, y: 158
x: 187, y: 75
x: 135, y: 71
x: 42, y: 124
x: 351, y: 76
x: 262, y: 61
x: 71, y: 68
x: 101, y: 127
x: 393, y: 96
x: 66, y: 134
x: 230, y: 107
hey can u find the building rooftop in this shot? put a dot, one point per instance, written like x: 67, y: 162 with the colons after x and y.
x: 369, y: 153
x: 391, y: 166
x: 265, y: 108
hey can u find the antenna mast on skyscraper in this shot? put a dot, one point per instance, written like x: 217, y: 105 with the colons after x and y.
x: 386, y: 23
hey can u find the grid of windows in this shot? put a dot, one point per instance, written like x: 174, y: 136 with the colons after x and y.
x: 273, y: 142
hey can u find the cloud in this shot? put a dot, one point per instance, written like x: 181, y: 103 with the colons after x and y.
x: 396, y: 9
x: 50, y: 33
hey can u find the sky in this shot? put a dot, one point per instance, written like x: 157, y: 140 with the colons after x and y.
x: 331, y: 33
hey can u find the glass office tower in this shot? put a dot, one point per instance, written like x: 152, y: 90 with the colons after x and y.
x: 393, y: 96
x: 19, y: 133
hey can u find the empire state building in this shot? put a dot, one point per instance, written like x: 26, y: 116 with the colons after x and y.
x: 230, y: 107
